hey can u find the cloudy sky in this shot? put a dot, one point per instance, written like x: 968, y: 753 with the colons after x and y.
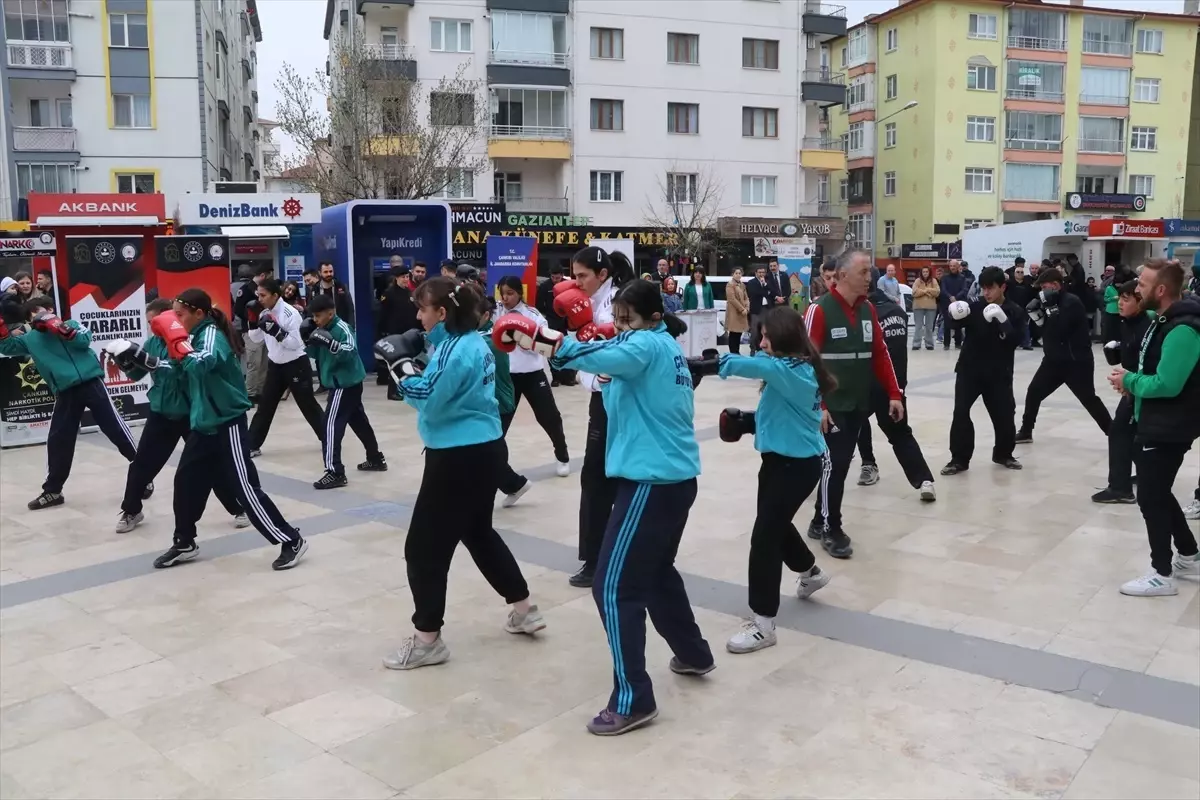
x: 292, y: 33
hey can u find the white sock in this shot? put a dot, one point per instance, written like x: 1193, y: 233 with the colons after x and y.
x: 765, y: 624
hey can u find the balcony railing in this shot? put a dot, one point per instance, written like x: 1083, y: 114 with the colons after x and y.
x: 824, y: 10
x: 530, y: 132
x: 40, y: 55
x: 1042, y: 145
x: 547, y: 205
x: 1090, y: 145
x: 44, y: 139
x: 823, y: 76
x: 529, y: 59
x: 1036, y: 43
x: 821, y: 143
x: 390, y: 52
x: 1104, y: 99
x: 1034, y: 94
x: 1108, y: 48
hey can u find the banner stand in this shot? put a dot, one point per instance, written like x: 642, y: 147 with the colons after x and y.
x: 26, y: 403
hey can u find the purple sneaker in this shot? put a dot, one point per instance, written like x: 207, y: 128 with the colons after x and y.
x: 610, y: 723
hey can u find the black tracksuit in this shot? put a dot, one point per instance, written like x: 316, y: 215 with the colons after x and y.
x: 397, y: 314
x: 1067, y: 359
x: 985, y: 370
x: 160, y: 435
x: 1124, y: 428
x: 69, y: 405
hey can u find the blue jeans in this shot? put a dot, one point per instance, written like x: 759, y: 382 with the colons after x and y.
x: 923, y: 322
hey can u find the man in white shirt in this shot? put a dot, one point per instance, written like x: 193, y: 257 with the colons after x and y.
x: 278, y: 326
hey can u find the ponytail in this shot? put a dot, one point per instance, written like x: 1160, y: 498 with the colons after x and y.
x: 621, y: 270
x: 617, y: 264
x: 675, y: 326
x: 222, y: 322
x: 199, y: 300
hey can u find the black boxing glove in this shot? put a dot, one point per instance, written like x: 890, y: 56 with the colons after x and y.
x: 401, y: 353
x: 735, y: 424
x: 1049, y: 297
x: 306, y: 329
x: 323, y: 338
x: 709, y: 363
x: 1112, y: 353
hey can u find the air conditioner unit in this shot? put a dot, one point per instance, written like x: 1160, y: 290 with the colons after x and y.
x: 893, y: 251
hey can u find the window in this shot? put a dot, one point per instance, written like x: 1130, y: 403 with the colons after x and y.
x: 1112, y: 36
x: 393, y: 115
x: 1026, y: 130
x: 760, y: 54
x: 981, y: 129
x: 608, y: 43
x: 451, y: 109
x: 857, y: 136
x: 526, y: 38
x: 760, y: 123
x: 845, y: 143
x: 40, y: 114
x: 1037, y: 182
x: 1141, y: 184
x: 1034, y: 80
x: 460, y: 185
x: 893, y: 39
x: 1149, y: 41
x: 856, y: 93
x: 683, y: 118
x: 608, y: 115
x: 1037, y: 30
x: 858, y: 228
x: 889, y: 134
x: 971, y: 224
x: 681, y: 187
x: 66, y: 114
x: 979, y: 180
x: 450, y: 35
x: 605, y: 187
x: 127, y: 30
x: 889, y: 231
x: 843, y: 56
x: 1100, y: 135
x: 889, y: 184
x: 758, y: 190
x: 843, y: 189
x: 981, y: 26
x: 683, y: 48
x: 1096, y: 184
x: 1145, y: 90
x: 389, y: 38
x: 46, y: 21
x: 507, y: 186
x: 981, y: 78
x: 1104, y: 87
x: 131, y: 110
x: 1143, y: 138
x: 135, y: 183
x: 51, y: 178
x: 856, y: 49
x: 892, y: 86
x: 540, y: 112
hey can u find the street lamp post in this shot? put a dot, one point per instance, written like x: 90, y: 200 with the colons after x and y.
x: 878, y: 176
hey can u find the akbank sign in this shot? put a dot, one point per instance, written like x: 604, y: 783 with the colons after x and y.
x: 249, y: 209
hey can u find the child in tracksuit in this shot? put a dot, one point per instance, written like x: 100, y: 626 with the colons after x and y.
x: 341, y: 371
x: 62, y: 353
x: 511, y: 484
x: 787, y: 431
x: 459, y: 422
x: 202, y: 344
x: 166, y: 424
x: 652, y: 454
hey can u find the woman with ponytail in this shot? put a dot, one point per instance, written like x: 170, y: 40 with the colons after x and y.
x: 203, y: 345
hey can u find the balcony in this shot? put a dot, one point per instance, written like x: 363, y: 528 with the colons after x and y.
x: 1037, y: 43
x: 45, y: 140
x: 536, y: 6
x: 1035, y: 145
x: 821, y: 153
x: 533, y: 205
x: 527, y: 68
x: 52, y: 60
x: 1103, y: 100
x: 247, y: 71
x: 530, y: 141
x: 361, y: 5
x: 390, y: 62
x: 1033, y: 93
x: 824, y: 21
x: 823, y: 86
x: 1105, y: 47
x: 1093, y: 145
x: 249, y: 158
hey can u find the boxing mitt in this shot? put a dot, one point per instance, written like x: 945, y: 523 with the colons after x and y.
x: 1112, y: 353
x: 307, y: 326
x: 271, y: 327
x: 736, y: 423
x: 574, y: 306
x: 1035, y: 310
x: 592, y: 331
x: 709, y: 363
x: 513, y: 330
x: 253, y: 308
x: 48, y: 322
x: 167, y: 327
x: 129, y: 355
x: 323, y: 338
x: 994, y: 313
x: 960, y: 310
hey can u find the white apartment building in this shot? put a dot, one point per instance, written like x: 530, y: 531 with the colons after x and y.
x: 129, y: 95
x: 601, y: 107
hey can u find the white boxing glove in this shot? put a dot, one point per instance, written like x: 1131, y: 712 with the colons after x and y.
x: 994, y: 313
x: 960, y: 309
x: 117, y: 346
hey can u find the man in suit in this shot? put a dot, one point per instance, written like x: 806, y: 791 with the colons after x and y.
x: 762, y: 296
x: 781, y: 287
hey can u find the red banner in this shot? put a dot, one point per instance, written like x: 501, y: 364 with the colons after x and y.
x: 96, y: 205
x: 1127, y: 229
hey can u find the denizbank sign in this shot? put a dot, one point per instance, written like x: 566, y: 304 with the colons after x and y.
x: 249, y: 209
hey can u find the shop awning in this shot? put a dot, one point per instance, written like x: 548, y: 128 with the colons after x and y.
x: 256, y: 232
x: 55, y: 222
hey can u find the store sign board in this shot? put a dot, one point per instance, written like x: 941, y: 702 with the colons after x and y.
x: 250, y: 209
x: 1077, y: 201
x: 1183, y: 227
x: 26, y: 245
x: 96, y: 205
x: 752, y: 227
x: 937, y: 251
x: 1127, y: 228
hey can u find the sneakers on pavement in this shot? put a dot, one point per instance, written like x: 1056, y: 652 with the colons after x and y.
x: 46, y: 500
x: 755, y: 634
x: 148, y: 492
x: 1007, y: 463
x: 330, y: 480
x: 510, y: 500
x: 530, y: 622
x: 241, y: 521
x: 1150, y: 585
x: 1192, y: 510
x: 816, y: 529
x: 1110, y: 497
x: 928, y: 494
x: 1186, y: 566
x: 290, y: 554
x: 582, y: 579
x: 837, y: 543
x: 1024, y: 436
x: 376, y: 464
x: 610, y: 723
x: 562, y: 469
x: 954, y: 468
x: 680, y: 668
x: 177, y: 554
x: 810, y: 581
x: 127, y: 522
x: 868, y: 475
x: 414, y: 653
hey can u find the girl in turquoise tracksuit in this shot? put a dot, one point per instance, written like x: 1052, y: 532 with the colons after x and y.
x: 62, y: 353
x: 458, y: 419
x: 787, y: 431
x: 651, y: 452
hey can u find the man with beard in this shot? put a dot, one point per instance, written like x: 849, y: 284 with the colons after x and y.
x: 955, y: 286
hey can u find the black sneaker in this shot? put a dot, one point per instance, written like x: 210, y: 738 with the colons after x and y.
x: 928, y: 347
x: 376, y: 464
x: 330, y: 480
x: 816, y: 529
x: 837, y: 543
x: 583, y: 578
x: 148, y: 492
x: 610, y: 723
x: 1024, y: 436
x: 1110, y: 497
x: 290, y: 555
x: 46, y: 500
x: 1007, y: 463
x: 953, y: 468
x: 680, y: 668
x: 177, y: 553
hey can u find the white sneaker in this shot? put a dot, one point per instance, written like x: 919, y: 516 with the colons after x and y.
x: 563, y: 469
x: 810, y: 581
x: 510, y: 500
x: 1150, y: 585
x: 1186, y: 566
x: 241, y: 521
x: 529, y: 623
x: 868, y: 475
x: 928, y: 495
x: 127, y: 522
x: 755, y: 634
x: 1192, y: 510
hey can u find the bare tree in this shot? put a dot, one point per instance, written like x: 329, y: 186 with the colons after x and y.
x: 366, y: 130
x: 685, y: 210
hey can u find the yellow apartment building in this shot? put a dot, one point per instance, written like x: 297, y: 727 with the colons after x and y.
x: 960, y: 114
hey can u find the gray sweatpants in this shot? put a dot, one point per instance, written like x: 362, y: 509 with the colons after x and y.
x: 254, y: 366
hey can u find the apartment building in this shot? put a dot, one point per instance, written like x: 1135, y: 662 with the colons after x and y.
x: 602, y: 109
x: 961, y: 114
x: 129, y: 95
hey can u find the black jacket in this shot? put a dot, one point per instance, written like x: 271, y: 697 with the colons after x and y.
x: 343, y: 305
x: 244, y: 294
x: 761, y: 297
x: 988, y: 347
x: 1020, y: 293
x: 779, y: 283
x: 544, y: 302
x: 1171, y: 419
x: 1066, y: 335
x: 1133, y: 330
x: 397, y: 312
x: 893, y: 319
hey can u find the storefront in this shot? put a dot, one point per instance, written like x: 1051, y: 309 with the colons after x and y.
x: 1183, y: 240
x: 755, y: 240
x: 915, y: 257
x: 1128, y: 241
x: 271, y: 229
x: 1002, y: 245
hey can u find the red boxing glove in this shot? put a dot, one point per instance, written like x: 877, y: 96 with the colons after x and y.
x: 574, y: 306
x: 513, y: 330
x: 48, y: 322
x: 3, y: 329
x: 563, y: 286
x: 591, y: 331
x: 167, y: 327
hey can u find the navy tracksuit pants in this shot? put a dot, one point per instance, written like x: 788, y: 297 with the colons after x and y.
x: 636, y: 574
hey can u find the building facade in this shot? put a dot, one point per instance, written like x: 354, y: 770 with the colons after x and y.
x: 129, y: 96
x: 960, y: 114
x: 617, y: 111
